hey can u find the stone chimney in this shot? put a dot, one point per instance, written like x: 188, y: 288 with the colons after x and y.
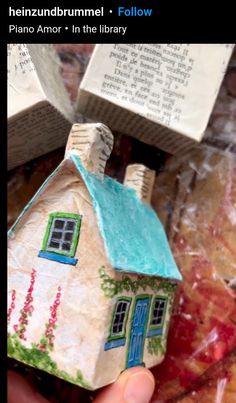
x: 141, y: 179
x: 93, y: 143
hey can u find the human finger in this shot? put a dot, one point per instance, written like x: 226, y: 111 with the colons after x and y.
x: 135, y: 385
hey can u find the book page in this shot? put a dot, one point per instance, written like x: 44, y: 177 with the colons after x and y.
x: 23, y: 86
x: 135, y: 125
x: 34, y: 132
x: 39, y: 110
x: 33, y: 76
x: 48, y: 65
x: 174, y: 85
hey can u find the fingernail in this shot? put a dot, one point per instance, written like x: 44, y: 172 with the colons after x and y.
x: 139, y: 388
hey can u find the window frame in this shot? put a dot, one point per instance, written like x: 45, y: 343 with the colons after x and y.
x: 60, y: 215
x: 120, y: 335
x: 159, y: 326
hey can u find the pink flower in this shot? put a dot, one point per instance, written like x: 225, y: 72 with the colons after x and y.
x: 50, y: 326
x: 27, y: 309
x: 51, y: 321
x: 12, y: 306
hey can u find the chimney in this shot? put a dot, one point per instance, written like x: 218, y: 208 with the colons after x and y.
x: 93, y: 143
x: 141, y: 179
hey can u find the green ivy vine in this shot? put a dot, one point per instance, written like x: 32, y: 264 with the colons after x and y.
x: 40, y: 359
x: 155, y: 346
x: 112, y: 286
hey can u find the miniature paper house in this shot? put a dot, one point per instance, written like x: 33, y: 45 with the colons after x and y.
x: 91, y: 275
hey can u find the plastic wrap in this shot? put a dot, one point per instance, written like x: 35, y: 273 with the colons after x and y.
x: 196, y: 200
x: 217, y: 385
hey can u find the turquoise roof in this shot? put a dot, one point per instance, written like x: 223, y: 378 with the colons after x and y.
x: 134, y: 237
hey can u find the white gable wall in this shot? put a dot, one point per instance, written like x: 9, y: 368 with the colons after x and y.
x: 83, y: 310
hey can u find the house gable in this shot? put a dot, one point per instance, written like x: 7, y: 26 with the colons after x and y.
x: 82, y: 300
x: 63, y: 196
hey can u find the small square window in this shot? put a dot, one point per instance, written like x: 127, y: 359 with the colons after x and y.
x: 119, y: 318
x: 62, y: 235
x: 158, y: 311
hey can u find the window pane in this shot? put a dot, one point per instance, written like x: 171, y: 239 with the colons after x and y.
x: 70, y: 225
x: 54, y: 244
x: 57, y: 235
x: 119, y: 317
x: 158, y: 311
x: 65, y: 246
x: 68, y: 236
x: 119, y: 307
x: 154, y: 321
x: 122, y: 317
x: 59, y: 224
x: 115, y: 329
x: 124, y: 306
x: 116, y: 319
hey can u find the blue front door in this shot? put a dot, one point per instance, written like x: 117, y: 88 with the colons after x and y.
x: 137, y: 332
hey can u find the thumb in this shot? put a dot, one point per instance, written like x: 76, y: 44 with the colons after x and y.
x: 135, y: 385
